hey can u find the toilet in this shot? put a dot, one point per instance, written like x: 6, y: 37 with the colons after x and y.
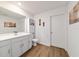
x: 32, y: 31
x: 35, y: 41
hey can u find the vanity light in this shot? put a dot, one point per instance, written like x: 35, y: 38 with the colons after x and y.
x: 19, y: 3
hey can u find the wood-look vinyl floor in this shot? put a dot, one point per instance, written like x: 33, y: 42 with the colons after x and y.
x: 45, y: 51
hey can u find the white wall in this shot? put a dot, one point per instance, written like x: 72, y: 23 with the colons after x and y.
x: 43, y: 33
x: 73, y: 35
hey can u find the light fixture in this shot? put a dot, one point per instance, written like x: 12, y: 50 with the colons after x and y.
x: 19, y: 3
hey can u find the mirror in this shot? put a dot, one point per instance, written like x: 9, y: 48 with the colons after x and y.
x: 11, y: 21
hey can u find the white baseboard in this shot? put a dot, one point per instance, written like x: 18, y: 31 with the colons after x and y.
x: 44, y: 44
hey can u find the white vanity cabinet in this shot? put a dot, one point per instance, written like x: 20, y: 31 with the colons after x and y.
x: 25, y: 44
x: 5, y: 49
x: 15, y: 46
x: 20, y: 45
x: 30, y: 41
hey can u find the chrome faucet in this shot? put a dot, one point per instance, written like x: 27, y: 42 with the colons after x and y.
x: 15, y: 32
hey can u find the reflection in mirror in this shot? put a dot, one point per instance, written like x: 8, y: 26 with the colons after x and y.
x: 11, y: 21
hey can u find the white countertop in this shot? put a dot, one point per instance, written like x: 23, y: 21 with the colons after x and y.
x: 12, y: 35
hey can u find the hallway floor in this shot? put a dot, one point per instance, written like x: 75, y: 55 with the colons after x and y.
x: 45, y: 51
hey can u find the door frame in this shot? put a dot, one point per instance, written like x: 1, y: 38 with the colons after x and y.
x: 51, y: 26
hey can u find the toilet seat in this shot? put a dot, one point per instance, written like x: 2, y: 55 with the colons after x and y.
x: 34, y: 40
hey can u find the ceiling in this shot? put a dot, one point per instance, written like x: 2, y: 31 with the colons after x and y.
x: 10, y: 14
x: 36, y: 7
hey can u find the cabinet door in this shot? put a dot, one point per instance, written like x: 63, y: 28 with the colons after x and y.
x: 5, y: 51
x: 25, y: 44
x: 30, y: 41
x: 16, y: 49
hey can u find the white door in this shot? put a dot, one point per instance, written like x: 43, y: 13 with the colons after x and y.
x: 58, y: 30
x: 16, y: 48
x: 5, y: 51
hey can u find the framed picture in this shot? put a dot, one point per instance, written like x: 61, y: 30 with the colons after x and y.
x: 39, y: 22
x: 9, y: 24
x: 74, y: 14
x: 43, y: 24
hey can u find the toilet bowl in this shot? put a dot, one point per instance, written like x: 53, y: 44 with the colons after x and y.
x: 35, y: 41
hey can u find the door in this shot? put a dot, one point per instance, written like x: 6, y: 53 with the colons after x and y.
x: 58, y: 30
x: 16, y: 48
x: 25, y: 44
x: 30, y: 41
x: 5, y: 51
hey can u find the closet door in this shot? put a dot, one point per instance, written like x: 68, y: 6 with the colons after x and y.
x: 58, y: 30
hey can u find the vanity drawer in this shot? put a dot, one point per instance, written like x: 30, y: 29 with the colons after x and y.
x: 19, y: 38
x: 4, y: 43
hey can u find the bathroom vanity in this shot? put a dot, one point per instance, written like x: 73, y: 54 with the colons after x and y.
x: 12, y: 45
